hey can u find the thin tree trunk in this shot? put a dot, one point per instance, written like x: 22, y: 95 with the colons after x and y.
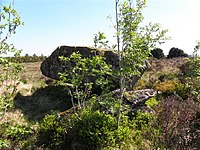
x: 120, y: 64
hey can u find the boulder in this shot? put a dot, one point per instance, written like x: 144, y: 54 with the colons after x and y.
x: 136, y: 99
x: 52, y: 66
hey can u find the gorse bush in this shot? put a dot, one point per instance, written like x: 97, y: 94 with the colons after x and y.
x: 168, y: 86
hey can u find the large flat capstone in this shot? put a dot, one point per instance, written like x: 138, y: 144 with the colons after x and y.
x: 52, y: 66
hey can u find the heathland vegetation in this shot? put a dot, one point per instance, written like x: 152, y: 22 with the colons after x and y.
x: 37, y: 112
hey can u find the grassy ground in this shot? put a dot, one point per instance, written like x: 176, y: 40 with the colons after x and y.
x: 37, y: 95
x: 32, y: 74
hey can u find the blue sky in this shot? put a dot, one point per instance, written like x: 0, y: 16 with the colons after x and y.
x: 52, y: 23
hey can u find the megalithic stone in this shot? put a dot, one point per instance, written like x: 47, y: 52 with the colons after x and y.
x: 52, y: 65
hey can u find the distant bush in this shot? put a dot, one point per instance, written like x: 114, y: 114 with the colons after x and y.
x: 26, y: 58
x: 176, y: 52
x: 157, y: 53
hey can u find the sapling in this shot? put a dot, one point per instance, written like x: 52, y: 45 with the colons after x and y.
x: 81, y: 73
x: 133, y: 42
x: 9, y: 21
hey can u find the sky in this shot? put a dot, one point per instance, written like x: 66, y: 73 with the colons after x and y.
x: 52, y: 23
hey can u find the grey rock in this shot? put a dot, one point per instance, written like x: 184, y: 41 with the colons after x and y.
x: 136, y: 98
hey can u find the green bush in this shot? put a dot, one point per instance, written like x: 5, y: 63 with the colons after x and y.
x: 152, y: 102
x: 144, y: 134
x: 99, y: 130
x: 183, y: 90
x: 190, y: 73
x: 18, y: 132
x: 51, y: 132
x: 142, y: 120
x: 157, y: 53
x: 16, y: 136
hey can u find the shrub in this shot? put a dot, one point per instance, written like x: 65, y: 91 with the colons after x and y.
x: 93, y: 130
x: 176, y: 52
x: 18, y: 132
x: 4, y: 144
x: 143, y: 131
x: 190, y: 73
x: 167, y: 87
x: 51, y: 132
x: 174, y: 121
x: 142, y: 120
x: 15, y: 136
x: 152, y: 102
x: 157, y: 53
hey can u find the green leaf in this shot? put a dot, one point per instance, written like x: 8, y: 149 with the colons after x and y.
x: 6, y: 9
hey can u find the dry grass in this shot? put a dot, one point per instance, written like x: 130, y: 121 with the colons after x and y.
x: 32, y: 72
x: 43, y: 98
x: 15, y: 117
x: 34, y: 98
x: 160, y: 70
x: 166, y: 65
